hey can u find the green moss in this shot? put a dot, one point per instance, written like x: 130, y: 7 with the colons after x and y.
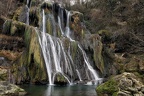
x: 109, y: 87
x: 27, y: 36
x: 98, y: 56
x: 60, y: 78
x: 74, y: 49
x: 31, y: 60
x: 49, y: 27
x: 115, y: 94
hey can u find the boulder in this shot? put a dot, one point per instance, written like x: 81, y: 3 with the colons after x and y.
x: 7, y: 89
x: 126, y: 84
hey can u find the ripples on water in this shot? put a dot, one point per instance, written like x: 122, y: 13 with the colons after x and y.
x: 73, y: 90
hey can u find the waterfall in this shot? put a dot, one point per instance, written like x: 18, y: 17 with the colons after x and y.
x: 57, y: 58
x: 52, y: 50
x: 79, y: 75
x: 67, y: 25
x: 27, y: 2
x: 59, y: 23
x: 96, y: 77
x: 43, y: 22
x: 45, y: 51
x: 27, y: 13
x: 60, y: 20
x: 88, y: 64
x: 55, y: 55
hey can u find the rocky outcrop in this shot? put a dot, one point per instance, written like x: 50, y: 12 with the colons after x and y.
x: 7, y: 89
x: 30, y: 63
x: 126, y: 84
x: 76, y: 25
x: 19, y: 44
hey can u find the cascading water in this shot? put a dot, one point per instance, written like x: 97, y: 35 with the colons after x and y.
x: 96, y: 77
x: 27, y: 14
x: 45, y: 51
x: 88, y: 64
x: 59, y: 60
x: 59, y: 22
x: 78, y: 75
x: 67, y: 25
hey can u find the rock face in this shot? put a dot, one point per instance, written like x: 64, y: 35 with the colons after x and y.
x: 126, y: 84
x: 19, y: 44
x: 92, y: 43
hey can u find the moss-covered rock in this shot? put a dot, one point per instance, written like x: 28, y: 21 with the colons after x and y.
x: 15, y: 28
x: 7, y: 89
x: 23, y: 50
x: 3, y: 74
x: 31, y: 64
x: 126, y: 84
x: 60, y: 79
x: 109, y: 87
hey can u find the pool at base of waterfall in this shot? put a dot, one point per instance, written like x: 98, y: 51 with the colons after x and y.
x: 55, y: 90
